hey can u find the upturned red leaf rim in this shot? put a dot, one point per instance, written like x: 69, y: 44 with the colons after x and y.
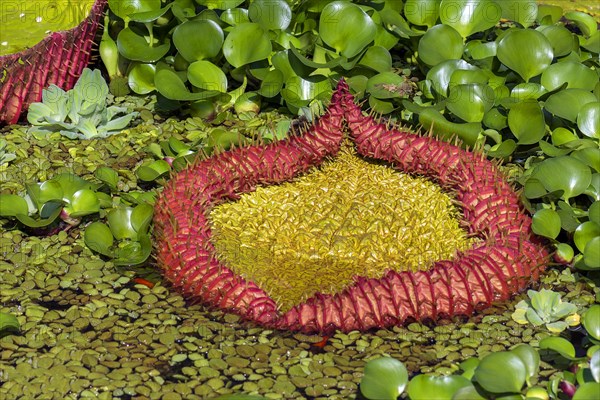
x: 507, y: 260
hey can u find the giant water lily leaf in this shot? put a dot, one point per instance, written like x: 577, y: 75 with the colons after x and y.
x: 440, y: 74
x: 588, y: 119
x: 123, y: 9
x: 270, y: 14
x: 209, y: 39
x: 526, y: 122
x: 566, y: 174
x: 525, y: 51
x: 440, y: 43
x: 384, y: 378
x: 501, y: 372
x: 207, y: 76
x: 585, y: 22
x: 346, y: 27
x: 584, y: 233
x: 141, y: 78
x: 522, y: 11
x: 546, y: 222
x: 385, y: 85
x: 470, y: 102
x: 562, y: 40
x: 170, y: 85
x: 435, y: 387
x: 470, y: 16
x: 135, y: 47
x: 568, y: 103
x: 246, y: 43
x: 574, y: 74
x: 377, y: 58
x: 422, y: 12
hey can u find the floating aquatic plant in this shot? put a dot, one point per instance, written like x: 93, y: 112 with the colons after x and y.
x: 504, y: 260
x: 546, y: 308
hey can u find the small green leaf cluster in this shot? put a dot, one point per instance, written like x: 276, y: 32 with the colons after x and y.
x: 546, y: 308
x: 506, y: 374
x: 5, y: 156
x: 78, y: 113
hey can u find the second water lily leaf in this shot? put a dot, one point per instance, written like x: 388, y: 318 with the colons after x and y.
x: 440, y: 43
x: 346, y: 27
x: 246, y: 43
x: 566, y: 174
x: 525, y: 51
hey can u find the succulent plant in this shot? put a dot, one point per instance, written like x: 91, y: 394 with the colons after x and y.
x: 504, y: 262
x: 59, y: 58
x: 80, y: 112
x: 546, y: 308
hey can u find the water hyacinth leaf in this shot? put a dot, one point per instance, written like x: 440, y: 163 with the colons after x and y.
x: 552, y: 151
x: 246, y: 43
x: 564, y: 253
x: 271, y: 84
x: 119, y: 221
x: 546, y: 222
x: 200, y: 49
x: 123, y: 9
x: 470, y: 102
x: 134, y: 252
x: 153, y: 170
x: 235, y: 16
x: 108, y: 176
x: 591, y: 321
x: 588, y: 119
x: 525, y: 51
x: 530, y: 358
x: 494, y: 119
x: 141, y: 216
x: 584, y: 233
x: 299, y: 91
x: 222, y: 139
x: 270, y: 14
x: 247, y: 102
x: 503, y: 149
x: 207, y: 76
x: 566, y: 174
x: 522, y: 11
x: 345, y: 27
x: 83, y: 202
x: 468, y: 393
x: 422, y: 12
x: 591, y: 253
x: 465, y: 76
x: 589, y: 156
x: 141, y: 78
x: 568, y: 103
x: 385, y: 85
x: 44, y: 192
x: 595, y: 365
x: 441, y: 74
x: 99, y: 238
x: 219, y: 4
x: 563, y: 41
x: 440, y: 43
x: 384, y: 378
x: 574, y: 74
x: 501, y: 372
x: 585, y: 22
x: 381, y: 106
x: 435, y: 387
x: 470, y: 16
x: 42, y: 222
x: 480, y: 51
x: 170, y: 85
x: 529, y: 90
x: 11, y: 205
x: 526, y: 122
x: 377, y: 58
x: 593, y: 43
x: 548, y: 14
x: 562, y: 135
x: 70, y: 183
x: 135, y: 47
x: 468, y: 367
x: 594, y: 212
x: 467, y: 132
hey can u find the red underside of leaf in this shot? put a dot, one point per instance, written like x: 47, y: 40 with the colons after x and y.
x: 508, y: 259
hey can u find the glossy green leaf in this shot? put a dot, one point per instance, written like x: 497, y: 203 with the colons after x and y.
x: 381, y: 106
x: 468, y: 393
x: 594, y: 212
x: 441, y: 74
x: 246, y: 43
x: 141, y: 216
x: 240, y: 397
x: 423, y: 387
x: 440, y: 43
x: 219, y: 4
x: 501, y: 372
x: 83, y: 202
x: 270, y: 14
x: 591, y: 253
x: 222, y: 139
x: 141, y: 78
x: 568, y: 103
x: 8, y: 324
x: 561, y: 136
x: 123, y: 9
x: 134, y: 252
x: 470, y: 16
x: 467, y: 132
x: 422, y: 12
x: 530, y: 358
x: 589, y: 156
x: 99, y: 238
x: 588, y: 119
x: 494, y: 119
x: 235, y: 16
x: 345, y: 27
x: 546, y: 222
x: 564, y: 253
x: 525, y: 51
x: 119, y: 221
x: 384, y: 378
x: 526, y: 122
x: 170, y: 85
x: 468, y: 367
x: 584, y: 21
x: 574, y: 74
x: 135, y: 47
x: 527, y: 90
x: 470, y: 102
x: 11, y: 205
x: 385, y: 85
x: 562, y: 40
x: 481, y: 50
x: 207, y: 76
x: 552, y: 151
x: 591, y: 321
x: 564, y: 173
x: 592, y: 43
x: 208, y: 46
x: 377, y: 58
x: 107, y: 175
x: 50, y: 217
x: 595, y: 365
x: 587, y: 391
x: 503, y: 149
x: 153, y: 170
x: 522, y: 11
x: 299, y: 91
x: 271, y: 84
x: 548, y: 14
x: 585, y: 233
